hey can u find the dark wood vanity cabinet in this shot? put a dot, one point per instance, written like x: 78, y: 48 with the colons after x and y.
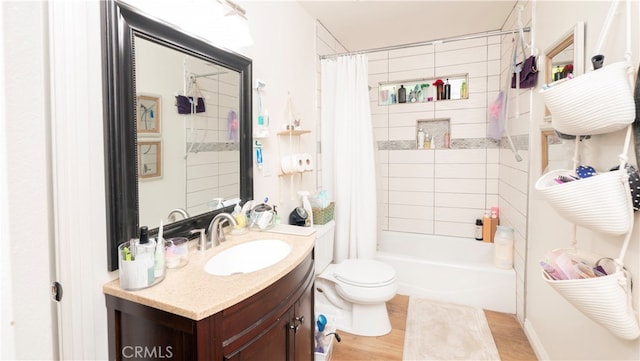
x: 276, y: 323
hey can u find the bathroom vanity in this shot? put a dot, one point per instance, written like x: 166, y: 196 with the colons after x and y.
x: 193, y: 315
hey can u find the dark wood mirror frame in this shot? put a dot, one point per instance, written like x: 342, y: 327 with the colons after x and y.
x: 120, y: 23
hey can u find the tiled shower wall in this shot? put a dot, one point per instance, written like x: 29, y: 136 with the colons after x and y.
x: 443, y: 191
x: 437, y: 191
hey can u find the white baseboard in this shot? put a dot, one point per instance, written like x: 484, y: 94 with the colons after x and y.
x: 539, y: 350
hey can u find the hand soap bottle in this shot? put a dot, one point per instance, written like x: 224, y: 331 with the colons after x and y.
x: 420, y: 139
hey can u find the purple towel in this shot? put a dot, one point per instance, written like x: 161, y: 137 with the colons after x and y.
x: 184, y: 104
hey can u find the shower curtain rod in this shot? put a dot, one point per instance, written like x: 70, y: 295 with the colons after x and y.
x: 438, y: 41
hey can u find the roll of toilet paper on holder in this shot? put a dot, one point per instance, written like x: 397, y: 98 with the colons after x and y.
x: 298, y: 163
x: 308, y: 161
x: 286, y: 163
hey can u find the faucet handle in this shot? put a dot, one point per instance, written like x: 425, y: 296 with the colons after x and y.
x: 202, y: 242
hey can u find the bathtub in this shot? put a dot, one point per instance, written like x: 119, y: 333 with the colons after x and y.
x: 451, y: 269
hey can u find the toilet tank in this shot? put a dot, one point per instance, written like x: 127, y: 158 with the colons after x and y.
x: 325, y: 235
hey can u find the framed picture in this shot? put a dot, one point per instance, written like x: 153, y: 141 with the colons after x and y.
x: 149, y: 159
x: 148, y: 114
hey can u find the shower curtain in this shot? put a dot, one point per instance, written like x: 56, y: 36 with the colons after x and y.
x: 348, y: 166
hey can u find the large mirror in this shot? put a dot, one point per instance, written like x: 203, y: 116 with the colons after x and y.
x: 163, y: 151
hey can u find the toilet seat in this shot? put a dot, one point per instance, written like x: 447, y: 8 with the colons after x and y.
x: 364, y: 273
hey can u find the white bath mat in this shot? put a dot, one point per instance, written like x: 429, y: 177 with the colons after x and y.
x: 446, y: 331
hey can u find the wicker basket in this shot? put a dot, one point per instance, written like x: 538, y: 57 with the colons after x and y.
x: 598, y: 202
x: 323, y: 215
x: 605, y: 300
x: 597, y: 102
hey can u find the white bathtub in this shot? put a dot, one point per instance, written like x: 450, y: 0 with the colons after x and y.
x: 451, y: 269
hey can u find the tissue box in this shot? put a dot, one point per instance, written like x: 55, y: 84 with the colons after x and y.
x: 323, y: 215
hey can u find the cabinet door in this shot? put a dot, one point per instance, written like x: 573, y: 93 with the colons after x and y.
x: 304, y: 340
x: 271, y: 345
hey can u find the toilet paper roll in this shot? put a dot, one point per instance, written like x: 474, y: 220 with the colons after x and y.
x: 298, y: 163
x: 308, y: 161
x: 287, y: 164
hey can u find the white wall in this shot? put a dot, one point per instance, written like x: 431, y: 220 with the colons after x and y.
x: 284, y: 58
x: 558, y: 330
x: 28, y: 231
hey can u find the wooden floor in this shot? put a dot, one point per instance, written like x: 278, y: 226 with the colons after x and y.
x: 510, y: 340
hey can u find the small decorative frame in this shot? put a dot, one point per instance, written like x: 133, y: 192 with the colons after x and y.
x: 149, y: 159
x: 548, y: 137
x: 148, y: 113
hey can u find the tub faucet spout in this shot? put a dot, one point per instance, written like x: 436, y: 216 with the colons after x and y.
x: 177, y: 211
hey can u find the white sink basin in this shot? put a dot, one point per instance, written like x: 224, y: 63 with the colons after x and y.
x: 248, y: 257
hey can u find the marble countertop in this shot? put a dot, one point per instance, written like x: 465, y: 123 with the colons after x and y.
x: 191, y: 292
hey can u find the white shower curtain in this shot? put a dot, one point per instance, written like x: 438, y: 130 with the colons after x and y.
x: 348, y: 166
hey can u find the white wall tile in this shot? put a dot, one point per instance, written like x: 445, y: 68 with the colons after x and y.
x: 460, y: 185
x: 410, y: 184
x: 458, y: 215
x: 461, y: 156
x: 464, y: 116
x: 461, y: 56
x: 465, y: 230
x: 474, y: 70
x: 411, y: 212
x: 397, y: 76
x: 410, y: 225
x: 411, y: 198
x: 378, y: 67
x: 467, y: 171
x: 402, y: 133
x: 411, y: 170
x: 422, y: 61
x: 418, y: 156
x: 468, y: 131
x: 459, y: 200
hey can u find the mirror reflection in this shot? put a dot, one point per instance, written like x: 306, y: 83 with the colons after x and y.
x: 163, y: 161
x: 199, y: 133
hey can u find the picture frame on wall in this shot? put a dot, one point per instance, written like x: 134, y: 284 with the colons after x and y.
x: 148, y: 115
x: 149, y: 159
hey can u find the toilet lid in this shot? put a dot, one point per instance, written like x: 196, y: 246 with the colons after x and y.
x: 364, y: 272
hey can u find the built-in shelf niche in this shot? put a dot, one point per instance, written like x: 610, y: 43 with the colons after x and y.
x: 437, y: 128
x: 426, y: 91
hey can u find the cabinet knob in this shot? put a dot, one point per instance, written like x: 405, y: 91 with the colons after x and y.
x: 300, y: 319
x: 294, y: 328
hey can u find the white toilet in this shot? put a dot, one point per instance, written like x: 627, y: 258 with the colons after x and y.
x: 354, y: 291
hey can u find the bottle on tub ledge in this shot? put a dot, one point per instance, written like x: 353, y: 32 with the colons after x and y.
x: 490, y: 223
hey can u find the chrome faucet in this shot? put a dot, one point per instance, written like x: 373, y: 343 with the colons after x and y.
x: 215, y: 229
x: 172, y: 215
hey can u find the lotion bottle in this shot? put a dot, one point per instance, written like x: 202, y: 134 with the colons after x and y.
x: 420, y: 139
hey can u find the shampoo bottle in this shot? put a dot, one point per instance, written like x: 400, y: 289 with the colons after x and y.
x: 402, y: 94
x: 447, y: 90
x: 478, y: 231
